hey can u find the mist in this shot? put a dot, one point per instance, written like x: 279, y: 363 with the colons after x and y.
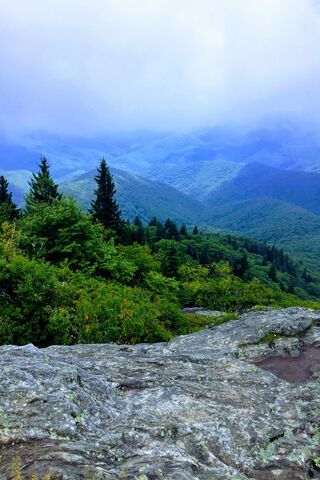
x: 77, y: 67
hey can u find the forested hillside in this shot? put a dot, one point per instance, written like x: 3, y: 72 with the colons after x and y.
x: 290, y: 227
x: 260, y: 182
x: 67, y: 276
x: 138, y: 196
x: 256, y: 180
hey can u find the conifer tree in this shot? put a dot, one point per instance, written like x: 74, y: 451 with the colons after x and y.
x: 171, y: 230
x: 272, y: 272
x: 104, y: 208
x: 8, y: 209
x: 42, y: 187
x: 183, y: 230
x: 153, y: 222
x: 195, y: 230
x: 137, y: 222
x: 171, y: 261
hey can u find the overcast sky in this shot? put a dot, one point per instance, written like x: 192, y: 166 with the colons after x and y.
x: 88, y: 66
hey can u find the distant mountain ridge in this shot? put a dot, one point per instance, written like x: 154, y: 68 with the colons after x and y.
x: 264, y: 183
x: 293, y: 228
x: 138, y: 196
x: 256, y: 180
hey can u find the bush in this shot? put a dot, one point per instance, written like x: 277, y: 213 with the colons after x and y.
x: 63, y: 234
x: 28, y: 289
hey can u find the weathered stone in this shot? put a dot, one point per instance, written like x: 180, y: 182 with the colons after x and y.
x: 197, y: 407
x: 203, y: 311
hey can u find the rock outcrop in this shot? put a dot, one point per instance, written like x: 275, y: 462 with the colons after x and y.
x: 203, y: 406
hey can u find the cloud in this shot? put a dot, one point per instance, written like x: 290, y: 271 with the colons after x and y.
x: 84, y: 67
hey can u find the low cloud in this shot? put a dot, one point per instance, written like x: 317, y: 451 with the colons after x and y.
x: 79, y: 67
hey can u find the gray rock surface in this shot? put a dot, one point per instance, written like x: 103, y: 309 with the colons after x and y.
x: 197, y: 407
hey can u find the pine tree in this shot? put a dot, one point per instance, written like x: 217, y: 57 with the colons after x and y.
x: 272, y: 272
x: 105, y: 208
x: 171, y: 230
x: 171, y: 261
x: 42, y: 187
x: 195, y: 230
x: 183, y: 230
x: 8, y: 209
x: 153, y: 222
x: 137, y: 222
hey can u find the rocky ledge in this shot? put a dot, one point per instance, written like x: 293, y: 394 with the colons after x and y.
x: 203, y: 406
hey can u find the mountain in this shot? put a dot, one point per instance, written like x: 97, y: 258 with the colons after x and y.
x: 263, y: 181
x: 274, y: 221
x: 171, y: 157
x: 138, y: 196
x: 18, y: 183
x: 256, y: 180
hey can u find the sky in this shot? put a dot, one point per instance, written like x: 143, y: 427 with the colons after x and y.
x: 86, y: 67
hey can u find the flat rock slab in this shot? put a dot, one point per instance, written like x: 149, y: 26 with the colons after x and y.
x: 197, y: 407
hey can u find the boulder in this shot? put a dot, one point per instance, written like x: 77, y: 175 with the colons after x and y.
x: 201, y: 407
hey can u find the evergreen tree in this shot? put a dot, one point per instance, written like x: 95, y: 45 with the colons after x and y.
x: 183, y: 230
x: 153, y: 222
x: 8, y: 209
x: 42, y: 187
x: 195, y: 230
x: 171, y: 230
x: 137, y: 222
x: 171, y: 261
x: 241, y: 266
x: 105, y: 208
x: 272, y: 273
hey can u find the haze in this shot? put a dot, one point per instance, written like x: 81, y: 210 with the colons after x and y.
x: 79, y: 67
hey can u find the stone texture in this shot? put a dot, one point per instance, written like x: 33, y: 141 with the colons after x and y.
x: 197, y: 407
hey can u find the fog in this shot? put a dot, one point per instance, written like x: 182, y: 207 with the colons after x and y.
x: 80, y: 67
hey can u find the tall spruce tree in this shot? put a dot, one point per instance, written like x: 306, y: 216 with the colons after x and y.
x: 42, y: 187
x: 104, y: 207
x: 8, y: 209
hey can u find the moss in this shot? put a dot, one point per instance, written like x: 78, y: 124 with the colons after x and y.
x: 225, y: 318
x: 260, y: 308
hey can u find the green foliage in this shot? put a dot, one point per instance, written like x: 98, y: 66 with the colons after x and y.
x: 63, y: 233
x: 91, y: 311
x: 27, y: 290
x: 141, y: 257
x: 64, y: 279
x: 42, y: 187
x: 104, y: 207
x: 8, y: 209
x: 162, y: 286
x: 225, y: 318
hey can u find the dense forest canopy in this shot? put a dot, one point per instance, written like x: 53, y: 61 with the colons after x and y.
x: 67, y: 276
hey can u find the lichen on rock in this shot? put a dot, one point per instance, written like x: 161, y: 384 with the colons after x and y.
x: 198, y: 407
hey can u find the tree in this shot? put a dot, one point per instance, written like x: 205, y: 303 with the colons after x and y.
x: 183, y: 230
x: 137, y: 222
x: 171, y: 230
x: 195, y: 230
x: 8, y: 209
x: 105, y: 208
x: 273, y: 273
x: 42, y: 187
x: 153, y: 222
x: 62, y: 233
x: 241, y: 266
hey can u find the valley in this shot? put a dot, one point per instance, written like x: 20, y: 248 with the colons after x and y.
x: 264, y: 183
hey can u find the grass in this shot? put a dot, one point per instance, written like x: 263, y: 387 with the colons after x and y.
x: 225, y: 318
